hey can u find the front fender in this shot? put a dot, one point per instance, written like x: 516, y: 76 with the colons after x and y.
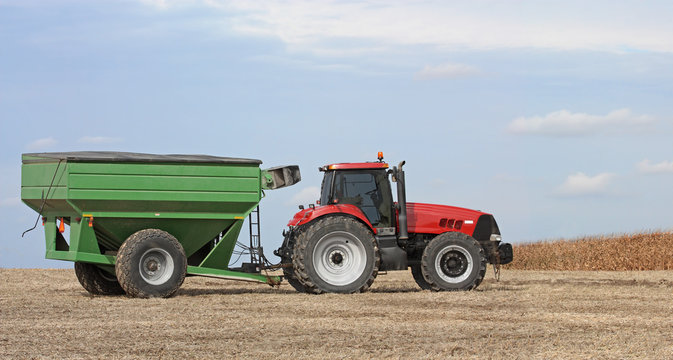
x: 307, y: 215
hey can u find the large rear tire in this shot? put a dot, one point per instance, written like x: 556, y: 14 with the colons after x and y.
x: 96, y: 280
x: 288, y: 272
x: 335, y: 254
x: 296, y: 284
x: 151, y: 263
x: 453, y: 261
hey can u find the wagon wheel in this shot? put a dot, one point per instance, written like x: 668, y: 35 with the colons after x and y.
x: 151, y: 263
x: 335, y: 254
x: 453, y: 261
x: 96, y: 280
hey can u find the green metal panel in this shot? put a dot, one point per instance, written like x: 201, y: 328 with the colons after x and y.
x: 50, y: 230
x: 219, y: 257
x: 81, y: 257
x: 228, y: 274
x: 35, y: 186
x: 191, y: 233
x: 155, y: 187
x: 83, y: 238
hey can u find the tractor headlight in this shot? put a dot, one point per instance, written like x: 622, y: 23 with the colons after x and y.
x: 496, y: 237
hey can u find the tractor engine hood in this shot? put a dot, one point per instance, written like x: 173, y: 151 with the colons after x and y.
x: 436, y: 219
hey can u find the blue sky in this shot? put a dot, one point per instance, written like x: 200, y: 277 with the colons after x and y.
x: 555, y: 116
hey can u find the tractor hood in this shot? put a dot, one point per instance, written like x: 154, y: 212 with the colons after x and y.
x: 436, y: 219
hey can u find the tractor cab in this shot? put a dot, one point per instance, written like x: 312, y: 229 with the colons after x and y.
x: 364, y: 185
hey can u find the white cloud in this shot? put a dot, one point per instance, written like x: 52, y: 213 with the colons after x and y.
x: 306, y: 196
x: 99, y: 140
x: 40, y: 144
x: 555, y: 25
x: 446, y: 71
x: 648, y: 167
x: 566, y: 123
x: 580, y: 184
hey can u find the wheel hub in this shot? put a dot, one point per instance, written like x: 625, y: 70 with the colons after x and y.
x: 156, y: 266
x: 153, y: 265
x: 453, y: 264
x: 336, y: 258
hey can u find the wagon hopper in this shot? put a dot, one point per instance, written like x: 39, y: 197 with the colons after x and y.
x: 139, y: 223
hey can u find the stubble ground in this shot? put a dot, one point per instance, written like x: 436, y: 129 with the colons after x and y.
x: 528, y: 314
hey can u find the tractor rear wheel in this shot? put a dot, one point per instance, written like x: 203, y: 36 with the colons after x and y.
x: 288, y: 272
x: 96, y: 280
x: 417, y: 273
x: 336, y: 254
x: 287, y: 275
x: 453, y: 261
x: 151, y: 263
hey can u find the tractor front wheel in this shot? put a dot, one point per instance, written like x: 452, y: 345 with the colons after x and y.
x: 417, y: 273
x: 96, y: 280
x: 453, y: 261
x: 151, y: 263
x: 336, y: 254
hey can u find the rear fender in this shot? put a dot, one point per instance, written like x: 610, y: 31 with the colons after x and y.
x: 307, y: 215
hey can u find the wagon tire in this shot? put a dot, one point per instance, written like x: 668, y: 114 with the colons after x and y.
x: 335, y: 254
x: 96, y: 280
x: 417, y: 273
x: 453, y: 261
x: 151, y: 263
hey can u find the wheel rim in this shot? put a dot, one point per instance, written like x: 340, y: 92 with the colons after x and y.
x: 453, y: 264
x: 339, y: 258
x: 156, y: 266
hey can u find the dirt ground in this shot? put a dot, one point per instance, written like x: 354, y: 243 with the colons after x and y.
x: 528, y: 314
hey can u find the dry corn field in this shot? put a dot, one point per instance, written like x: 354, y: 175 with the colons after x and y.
x: 642, y: 251
x: 528, y: 314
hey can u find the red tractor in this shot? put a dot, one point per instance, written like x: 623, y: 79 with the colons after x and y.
x: 358, y: 230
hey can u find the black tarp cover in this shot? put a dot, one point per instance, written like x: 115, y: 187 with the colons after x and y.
x: 113, y: 156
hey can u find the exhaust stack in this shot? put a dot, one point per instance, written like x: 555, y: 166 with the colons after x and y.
x: 398, y: 177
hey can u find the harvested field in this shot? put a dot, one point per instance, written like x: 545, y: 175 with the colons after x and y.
x: 529, y: 314
x: 642, y: 251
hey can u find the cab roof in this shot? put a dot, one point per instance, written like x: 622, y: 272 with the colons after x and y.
x: 355, y: 166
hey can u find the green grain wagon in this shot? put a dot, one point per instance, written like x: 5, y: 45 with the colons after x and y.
x: 139, y: 223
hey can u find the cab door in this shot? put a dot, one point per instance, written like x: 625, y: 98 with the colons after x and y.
x: 369, y: 190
